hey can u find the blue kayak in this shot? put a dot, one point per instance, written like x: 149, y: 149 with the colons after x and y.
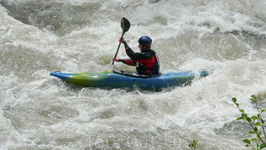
x: 123, y: 79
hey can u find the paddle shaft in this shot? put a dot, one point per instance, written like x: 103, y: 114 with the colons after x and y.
x: 118, y: 47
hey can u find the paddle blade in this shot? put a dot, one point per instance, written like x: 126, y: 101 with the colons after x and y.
x: 125, y: 24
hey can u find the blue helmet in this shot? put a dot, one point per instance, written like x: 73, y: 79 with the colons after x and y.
x: 145, y: 41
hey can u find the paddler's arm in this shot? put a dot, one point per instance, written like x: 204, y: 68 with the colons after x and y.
x: 126, y: 61
x: 125, y: 43
x: 130, y: 53
x: 135, y: 55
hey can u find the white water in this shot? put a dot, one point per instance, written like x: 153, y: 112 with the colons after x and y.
x: 40, y: 112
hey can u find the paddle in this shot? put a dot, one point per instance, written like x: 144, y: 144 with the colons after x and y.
x: 125, y: 25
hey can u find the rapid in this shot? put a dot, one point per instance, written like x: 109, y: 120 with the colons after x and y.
x: 38, y: 111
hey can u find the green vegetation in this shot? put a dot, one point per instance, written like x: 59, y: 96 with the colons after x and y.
x: 256, y: 123
x: 193, y: 145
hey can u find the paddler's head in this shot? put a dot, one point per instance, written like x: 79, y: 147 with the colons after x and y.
x: 144, y: 43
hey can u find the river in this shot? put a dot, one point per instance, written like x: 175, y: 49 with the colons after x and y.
x: 38, y: 111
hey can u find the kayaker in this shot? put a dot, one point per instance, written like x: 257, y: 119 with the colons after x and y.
x: 146, y: 62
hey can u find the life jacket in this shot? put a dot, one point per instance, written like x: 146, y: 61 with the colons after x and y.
x: 154, y: 69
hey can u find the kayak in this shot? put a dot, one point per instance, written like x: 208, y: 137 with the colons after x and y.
x: 124, y: 79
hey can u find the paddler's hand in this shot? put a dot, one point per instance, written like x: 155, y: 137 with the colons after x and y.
x: 121, y: 40
x: 118, y: 60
